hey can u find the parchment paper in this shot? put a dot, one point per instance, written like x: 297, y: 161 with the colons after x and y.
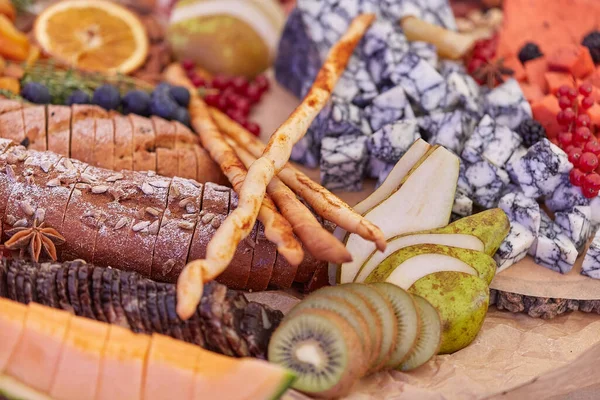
x: 513, y: 357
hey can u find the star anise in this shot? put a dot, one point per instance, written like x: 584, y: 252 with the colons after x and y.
x: 34, y: 239
x: 492, y: 72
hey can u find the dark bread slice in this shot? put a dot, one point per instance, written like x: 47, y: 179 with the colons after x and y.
x: 123, y: 142
x: 62, y: 294
x: 96, y: 288
x: 165, y: 133
x: 7, y: 105
x: 168, y: 330
x: 115, y: 292
x: 83, y: 126
x: 73, y: 287
x: 237, y: 273
x: 283, y: 274
x: 263, y: 261
x: 130, y: 301
x: 104, y: 145
x: 319, y: 279
x: 84, y: 289
x: 59, y: 129
x: 176, y: 230
x: 152, y: 305
x: 144, y: 144
x: 186, y: 158
x: 12, y: 126
x: 166, y: 162
x: 206, y: 169
x: 35, y: 127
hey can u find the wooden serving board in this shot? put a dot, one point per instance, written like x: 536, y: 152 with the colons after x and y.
x: 525, y: 277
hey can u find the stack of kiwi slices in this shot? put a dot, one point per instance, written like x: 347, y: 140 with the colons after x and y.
x: 339, y: 334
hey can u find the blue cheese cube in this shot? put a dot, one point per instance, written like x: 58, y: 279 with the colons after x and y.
x: 446, y: 67
x: 483, y: 182
x: 450, y: 129
x: 517, y: 155
x: 382, y: 46
x: 393, y: 140
x: 507, y: 104
x: 426, y: 51
x: 464, y: 87
x: 436, y: 12
x: 542, y: 170
x: 375, y: 167
x: 463, y: 205
x: 514, y: 247
x: 522, y: 209
x: 496, y: 143
x: 566, y: 196
x: 343, y: 162
x: 576, y: 224
x: 388, y: 107
x: 383, y: 174
x: 553, y: 249
x: 591, y: 261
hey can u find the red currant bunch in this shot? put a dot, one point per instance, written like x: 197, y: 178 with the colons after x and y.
x: 235, y: 96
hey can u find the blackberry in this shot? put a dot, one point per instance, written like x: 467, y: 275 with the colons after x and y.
x: 107, y: 97
x: 529, y: 51
x: 137, y: 102
x: 592, y: 42
x: 36, y: 93
x: 181, y: 95
x: 78, y: 97
x: 531, y: 131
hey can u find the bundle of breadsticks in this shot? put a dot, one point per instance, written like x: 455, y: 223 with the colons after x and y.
x: 267, y: 185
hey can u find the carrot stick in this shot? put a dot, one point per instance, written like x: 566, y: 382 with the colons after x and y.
x: 239, y: 223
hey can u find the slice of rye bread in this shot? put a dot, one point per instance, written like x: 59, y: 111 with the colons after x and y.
x: 206, y: 169
x: 7, y: 105
x: 83, y: 124
x: 283, y: 273
x: 186, y: 158
x: 104, y: 146
x: 123, y: 142
x: 144, y: 144
x: 166, y: 155
x: 263, y: 261
x: 176, y: 230
x: 12, y: 126
x: 59, y: 129
x: 150, y: 206
x: 237, y: 274
x: 35, y: 127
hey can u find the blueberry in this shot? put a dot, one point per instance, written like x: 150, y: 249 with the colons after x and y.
x: 36, y: 93
x: 107, y: 97
x: 181, y: 95
x: 137, y: 102
x: 78, y: 97
x: 163, y: 87
x: 182, y: 115
x: 163, y: 105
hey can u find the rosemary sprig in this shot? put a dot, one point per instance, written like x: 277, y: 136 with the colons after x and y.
x: 22, y: 5
x: 9, y: 95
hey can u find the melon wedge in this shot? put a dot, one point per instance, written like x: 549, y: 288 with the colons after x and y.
x: 170, y: 369
x: 12, y: 389
x: 12, y: 321
x: 122, y: 369
x: 455, y: 240
x: 36, y: 356
x: 79, y: 366
x: 423, y: 201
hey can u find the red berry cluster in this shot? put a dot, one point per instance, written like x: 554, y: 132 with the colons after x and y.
x: 577, y: 139
x: 235, y: 96
x: 483, y: 52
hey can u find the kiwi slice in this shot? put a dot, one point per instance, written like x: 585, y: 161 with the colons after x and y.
x: 321, y: 348
x: 374, y: 325
x: 383, y: 309
x: 409, y: 323
x: 430, y: 336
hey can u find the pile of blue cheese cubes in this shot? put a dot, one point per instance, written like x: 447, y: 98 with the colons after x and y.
x: 395, y: 91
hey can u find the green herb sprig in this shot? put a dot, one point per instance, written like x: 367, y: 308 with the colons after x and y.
x: 22, y: 5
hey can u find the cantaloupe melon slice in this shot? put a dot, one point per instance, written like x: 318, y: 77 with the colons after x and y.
x: 12, y: 389
x: 170, y: 369
x: 79, y: 366
x: 36, y: 356
x: 122, y: 369
x: 12, y: 320
x: 222, y: 377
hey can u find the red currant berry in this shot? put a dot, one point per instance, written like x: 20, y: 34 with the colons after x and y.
x: 565, y: 139
x: 188, y: 65
x: 566, y: 116
x: 262, y: 82
x: 570, y: 148
x: 253, y: 127
x: 563, y: 90
x: 582, y: 134
x: 212, y: 99
x: 591, y: 185
x: 237, y: 116
x: 593, y: 146
x: 572, y: 94
x: 474, y: 65
x: 564, y: 102
x: 242, y: 105
x: 583, y: 120
x: 239, y: 84
x: 576, y: 177
x: 485, y: 54
x: 221, y: 82
x: 587, y: 103
x: 586, y: 89
x: 253, y: 93
x: 198, y: 81
x: 575, y: 156
x: 589, y: 194
x: 588, y: 162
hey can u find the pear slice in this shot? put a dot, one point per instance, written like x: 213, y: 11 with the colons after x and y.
x: 462, y: 301
x: 406, y: 266
x: 455, y: 240
x: 430, y: 336
x: 423, y: 201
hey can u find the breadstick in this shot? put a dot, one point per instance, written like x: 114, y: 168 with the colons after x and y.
x: 318, y: 240
x: 238, y: 224
x: 277, y: 229
x: 325, y: 203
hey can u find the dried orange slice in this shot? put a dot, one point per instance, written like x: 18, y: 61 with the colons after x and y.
x: 93, y: 35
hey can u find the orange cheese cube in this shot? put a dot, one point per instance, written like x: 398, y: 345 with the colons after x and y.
x: 79, y: 366
x: 544, y: 111
x: 122, y: 370
x: 531, y: 92
x: 515, y: 64
x: 557, y: 79
x: 535, y: 70
x: 170, y: 369
x: 594, y: 113
x: 35, y: 358
x: 575, y: 60
x: 216, y: 376
x: 12, y: 321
